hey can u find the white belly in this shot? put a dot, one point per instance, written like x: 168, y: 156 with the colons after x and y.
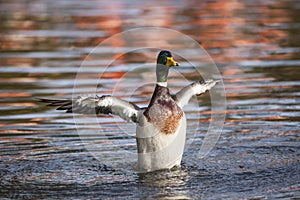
x: 159, y: 151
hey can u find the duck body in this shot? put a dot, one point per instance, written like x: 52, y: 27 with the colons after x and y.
x: 160, y: 128
x: 160, y: 133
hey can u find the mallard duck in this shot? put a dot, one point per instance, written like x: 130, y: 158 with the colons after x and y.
x: 160, y: 127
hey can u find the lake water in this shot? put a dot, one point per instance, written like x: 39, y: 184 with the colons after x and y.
x: 255, y: 45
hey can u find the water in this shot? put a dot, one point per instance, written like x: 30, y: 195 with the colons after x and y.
x: 256, y: 46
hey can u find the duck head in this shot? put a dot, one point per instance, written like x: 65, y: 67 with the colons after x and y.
x: 164, y: 62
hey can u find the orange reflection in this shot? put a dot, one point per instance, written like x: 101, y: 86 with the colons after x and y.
x: 18, y: 104
x: 16, y: 94
x: 110, y: 75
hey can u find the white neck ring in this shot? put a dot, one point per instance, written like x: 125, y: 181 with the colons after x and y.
x: 163, y: 84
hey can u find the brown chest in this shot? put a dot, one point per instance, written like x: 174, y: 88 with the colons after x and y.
x: 165, y: 115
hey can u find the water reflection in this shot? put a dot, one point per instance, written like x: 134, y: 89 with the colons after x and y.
x: 255, y: 44
x: 168, y: 184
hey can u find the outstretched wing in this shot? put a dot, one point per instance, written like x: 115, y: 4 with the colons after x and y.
x: 97, y: 105
x: 184, y: 95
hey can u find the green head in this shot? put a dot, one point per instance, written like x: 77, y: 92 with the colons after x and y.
x: 164, y: 62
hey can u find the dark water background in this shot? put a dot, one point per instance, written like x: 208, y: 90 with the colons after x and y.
x: 256, y: 46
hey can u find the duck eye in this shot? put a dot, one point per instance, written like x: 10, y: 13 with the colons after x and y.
x: 165, y: 60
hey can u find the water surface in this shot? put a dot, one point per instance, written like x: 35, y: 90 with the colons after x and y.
x: 256, y: 46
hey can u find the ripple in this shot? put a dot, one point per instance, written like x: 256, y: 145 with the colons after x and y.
x: 43, y: 46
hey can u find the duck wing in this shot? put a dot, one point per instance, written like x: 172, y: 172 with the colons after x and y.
x: 184, y: 95
x: 97, y: 105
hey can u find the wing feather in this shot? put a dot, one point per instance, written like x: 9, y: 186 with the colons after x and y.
x: 97, y: 105
x: 197, y: 88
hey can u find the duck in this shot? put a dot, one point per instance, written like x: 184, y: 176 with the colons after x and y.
x: 160, y: 127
